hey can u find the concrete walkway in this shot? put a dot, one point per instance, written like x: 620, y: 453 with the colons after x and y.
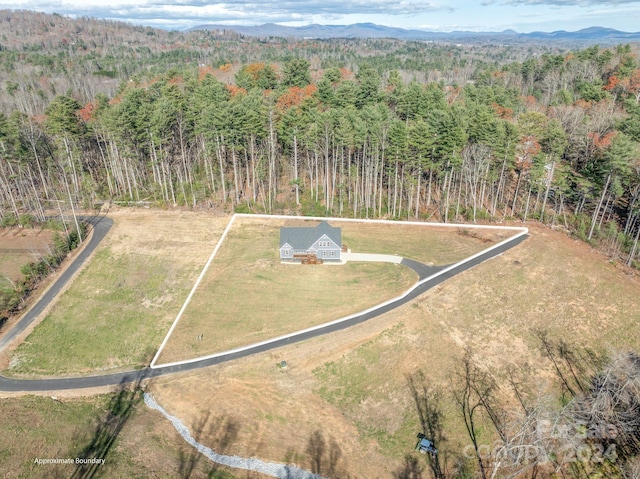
x: 422, y: 270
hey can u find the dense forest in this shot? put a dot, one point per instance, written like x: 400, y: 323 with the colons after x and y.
x: 98, y: 111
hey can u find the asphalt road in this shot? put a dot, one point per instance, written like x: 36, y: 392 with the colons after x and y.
x: 101, y: 226
x: 57, y: 384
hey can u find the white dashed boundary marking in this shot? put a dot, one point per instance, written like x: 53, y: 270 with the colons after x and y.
x: 519, y: 231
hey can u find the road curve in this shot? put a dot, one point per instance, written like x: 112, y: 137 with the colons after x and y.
x: 102, y: 226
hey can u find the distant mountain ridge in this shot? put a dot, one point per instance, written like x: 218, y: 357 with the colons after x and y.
x: 371, y: 30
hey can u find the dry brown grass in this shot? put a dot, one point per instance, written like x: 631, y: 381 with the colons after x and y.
x: 19, y: 246
x: 352, y: 386
x: 116, y: 312
x: 248, y: 296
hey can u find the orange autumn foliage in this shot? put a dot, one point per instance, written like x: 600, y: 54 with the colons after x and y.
x: 204, y: 71
x: 502, y: 112
x: 602, y: 142
x: 346, y: 74
x: 526, y: 149
x: 254, y: 69
x: 294, y: 96
x: 86, y: 113
x: 612, y: 84
x: 235, y: 90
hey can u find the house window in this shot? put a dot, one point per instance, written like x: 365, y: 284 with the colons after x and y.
x: 333, y: 253
x: 324, y: 253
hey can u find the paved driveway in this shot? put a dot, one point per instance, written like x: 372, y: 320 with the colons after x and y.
x: 101, y: 226
x: 429, y: 277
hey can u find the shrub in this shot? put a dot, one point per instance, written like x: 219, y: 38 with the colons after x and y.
x: 9, y: 221
x: 242, y: 208
x: 27, y: 220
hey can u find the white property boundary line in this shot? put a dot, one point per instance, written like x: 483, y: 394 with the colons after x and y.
x: 193, y: 290
x: 521, y: 231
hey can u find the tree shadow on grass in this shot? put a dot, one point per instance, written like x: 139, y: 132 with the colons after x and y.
x: 220, y: 433
x: 410, y: 469
x: 119, y: 411
x: 325, y: 456
x: 427, y: 400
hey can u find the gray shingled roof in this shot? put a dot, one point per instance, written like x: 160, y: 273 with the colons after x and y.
x: 304, y: 237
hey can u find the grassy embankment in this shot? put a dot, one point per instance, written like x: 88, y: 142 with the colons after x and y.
x: 116, y: 427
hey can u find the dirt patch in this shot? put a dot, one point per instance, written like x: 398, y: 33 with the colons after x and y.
x: 19, y: 246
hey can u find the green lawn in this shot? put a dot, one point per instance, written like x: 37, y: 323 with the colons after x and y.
x: 249, y: 296
x: 108, y: 319
x: 116, y: 312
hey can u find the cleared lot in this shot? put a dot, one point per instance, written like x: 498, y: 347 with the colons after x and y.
x: 118, y: 309
x: 247, y: 295
x: 350, y: 389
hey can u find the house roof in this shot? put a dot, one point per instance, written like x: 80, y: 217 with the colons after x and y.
x: 304, y: 237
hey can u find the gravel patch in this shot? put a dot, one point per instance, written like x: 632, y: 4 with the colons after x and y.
x: 272, y: 469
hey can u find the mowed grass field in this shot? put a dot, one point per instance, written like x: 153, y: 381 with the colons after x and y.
x: 248, y: 296
x: 432, y: 245
x: 351, y: 388
x: 117, y: 310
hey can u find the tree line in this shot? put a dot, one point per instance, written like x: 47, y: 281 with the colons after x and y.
x: 42, y: 56
x: 553, y: 138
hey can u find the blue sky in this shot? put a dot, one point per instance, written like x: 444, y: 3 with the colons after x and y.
x: 439, y: 15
